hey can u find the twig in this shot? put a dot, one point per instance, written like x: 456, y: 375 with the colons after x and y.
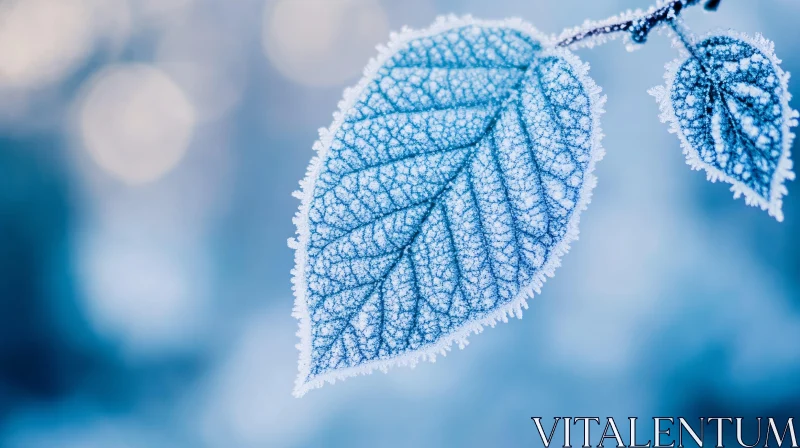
x: 640, y: 26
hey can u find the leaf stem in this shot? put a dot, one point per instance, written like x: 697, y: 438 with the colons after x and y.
x: 686, y: 40
x: 639, y: 26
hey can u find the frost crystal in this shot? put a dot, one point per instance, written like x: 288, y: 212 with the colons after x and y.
x: 728, y: 101
x: 446, y: 190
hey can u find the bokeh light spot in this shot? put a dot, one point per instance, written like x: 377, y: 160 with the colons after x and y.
x: 42, y: 40
x: 142, y: 289
x: 322, y: 42
x: 136, y: 122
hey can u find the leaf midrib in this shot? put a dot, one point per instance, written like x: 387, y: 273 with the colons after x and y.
x: 433, y: 201
x: 717, y: 86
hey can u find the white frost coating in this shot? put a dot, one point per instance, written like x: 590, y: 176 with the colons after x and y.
x: 783, y: 171
x: 514, y: 307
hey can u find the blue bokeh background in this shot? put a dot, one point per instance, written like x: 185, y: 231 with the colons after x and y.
x: 149, y: 149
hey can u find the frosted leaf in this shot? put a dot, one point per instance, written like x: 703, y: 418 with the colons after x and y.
x: 729, y: 103
x: 446, y: 190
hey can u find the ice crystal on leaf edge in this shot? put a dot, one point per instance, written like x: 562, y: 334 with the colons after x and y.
x: 514, y: 307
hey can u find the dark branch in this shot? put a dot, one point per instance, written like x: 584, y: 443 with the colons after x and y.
x: 639, y: 27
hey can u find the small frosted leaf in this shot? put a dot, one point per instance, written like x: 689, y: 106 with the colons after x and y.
x: 446, y: 190
x: 729, y: 103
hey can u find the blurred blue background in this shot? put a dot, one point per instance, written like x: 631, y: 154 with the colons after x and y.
x: 149, y: 149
